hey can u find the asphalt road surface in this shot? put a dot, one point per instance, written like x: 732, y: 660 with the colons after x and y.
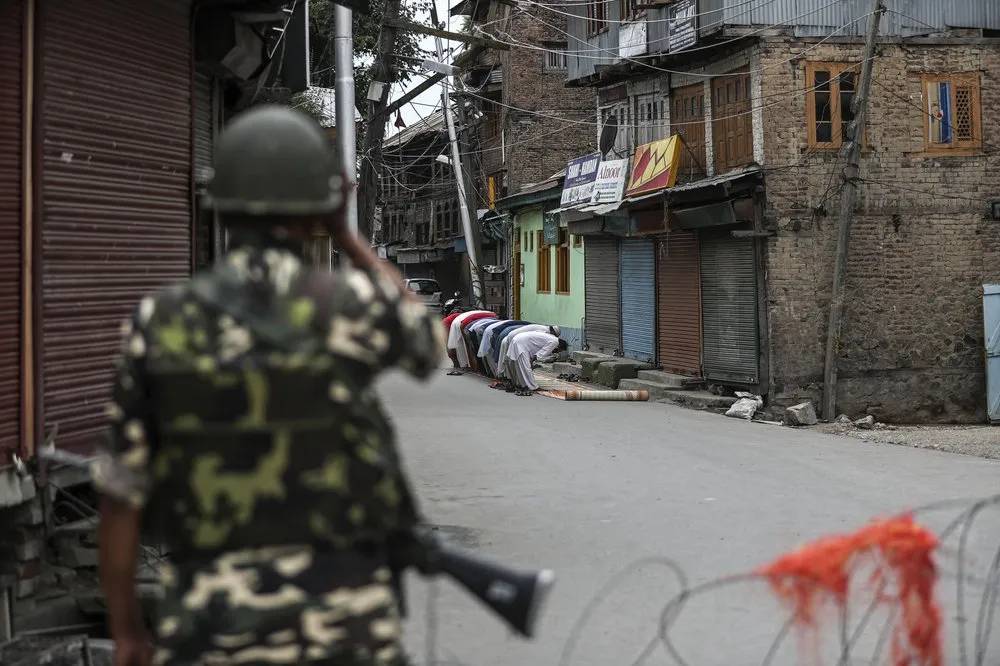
x: 590, y: 488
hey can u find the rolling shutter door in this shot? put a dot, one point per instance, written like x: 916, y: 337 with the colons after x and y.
x: 204, y: 143
x: 116, y: 187
x: 11, y: 221
x: 601, y: 294
x: 638, y: 270
x: 679, y: 303
x: 729, y: 309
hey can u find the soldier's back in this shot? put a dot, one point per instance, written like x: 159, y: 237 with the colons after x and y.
x: 279, y: 358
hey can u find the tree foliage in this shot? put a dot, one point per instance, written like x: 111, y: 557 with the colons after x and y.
x: 367, y: 29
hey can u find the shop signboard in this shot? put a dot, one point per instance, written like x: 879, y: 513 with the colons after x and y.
x: 580, y: 176
x: 610, y: 184
x: 654, y: 167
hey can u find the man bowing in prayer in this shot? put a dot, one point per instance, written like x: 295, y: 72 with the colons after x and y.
x: 523, y: 350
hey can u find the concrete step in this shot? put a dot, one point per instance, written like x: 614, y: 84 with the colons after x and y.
x: 581, y: 356
x: 670, y: 380
x: 656, y: 391
x: 566, y: 368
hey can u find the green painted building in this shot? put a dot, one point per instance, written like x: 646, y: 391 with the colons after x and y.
x: 548, y: 267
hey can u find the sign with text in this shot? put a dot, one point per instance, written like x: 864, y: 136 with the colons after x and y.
x: 580, y: 176
x: 610, y: 184
x: 654, y: 167
x: 682, y: 25
x: 632, y: 39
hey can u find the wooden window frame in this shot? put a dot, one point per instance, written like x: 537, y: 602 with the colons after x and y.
x: 724, y: 117
x: 835, y: 69
x: 969, y: 79
x: 563, y: 277
x: 597, y: 17
x: 543, y: 273
x: 492, y: 119
x: 688, y: 120
x: 563, y: 55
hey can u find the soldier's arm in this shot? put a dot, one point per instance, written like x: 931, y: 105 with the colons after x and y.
x: 120, y: 474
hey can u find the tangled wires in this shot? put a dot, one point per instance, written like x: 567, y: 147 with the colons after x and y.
x: 847, y: 597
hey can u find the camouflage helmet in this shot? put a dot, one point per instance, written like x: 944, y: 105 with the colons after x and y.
x: 274, y: 160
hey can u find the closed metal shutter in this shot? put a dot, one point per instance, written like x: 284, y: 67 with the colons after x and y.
x: 600, y: 257
x: 638, y: 270
x: 204, y: 141
x: 116, y: 187
x: 679, y: 303
x: 11, y: 221
x: 729, y: 309
x: 204, y: 123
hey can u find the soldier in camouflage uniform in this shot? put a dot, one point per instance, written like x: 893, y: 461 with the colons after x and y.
x: 246, y: 434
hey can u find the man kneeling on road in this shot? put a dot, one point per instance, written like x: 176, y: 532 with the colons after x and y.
x: 523, y: 350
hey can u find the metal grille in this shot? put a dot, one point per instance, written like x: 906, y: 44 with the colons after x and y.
x: 729, y: 309
x: 11, y: 138
x: 638, y: 270
x: 679, y: 303
x: 117, y: 177
x: 603, y: 332
x: 965, y: 127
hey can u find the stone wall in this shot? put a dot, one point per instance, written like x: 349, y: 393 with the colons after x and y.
x: 911, y: 345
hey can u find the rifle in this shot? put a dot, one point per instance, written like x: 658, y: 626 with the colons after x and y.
x: 515, y: 596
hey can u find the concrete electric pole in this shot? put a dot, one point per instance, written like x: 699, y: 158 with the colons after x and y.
x: 849, y: 197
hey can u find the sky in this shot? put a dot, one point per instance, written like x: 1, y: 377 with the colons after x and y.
x: 423, y: 105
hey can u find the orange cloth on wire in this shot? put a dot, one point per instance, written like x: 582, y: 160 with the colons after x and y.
x: 901, y: 552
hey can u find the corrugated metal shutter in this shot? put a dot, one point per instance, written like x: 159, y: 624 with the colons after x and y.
x: 679, y: 303
x: 729, y: 309
x: 600, y: 256
x: 638, y: 271
x: 204, y: 142
x: 11, y: 137
x: 116, y: 188
x: 204, y: 122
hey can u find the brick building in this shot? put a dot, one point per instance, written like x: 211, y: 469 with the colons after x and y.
x: 740, y: 251
x: 923, y: 243
x: 420, y: 224
x: 531, y: 124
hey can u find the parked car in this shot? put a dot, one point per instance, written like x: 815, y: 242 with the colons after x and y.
x: 428, y: 290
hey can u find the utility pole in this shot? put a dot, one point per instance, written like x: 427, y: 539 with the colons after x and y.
x: 371, y: 147
x: 471, y: 238
x: 849, y: 197
x: 343, y: 45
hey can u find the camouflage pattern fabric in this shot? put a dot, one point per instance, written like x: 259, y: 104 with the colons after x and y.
x: 279, y: 606
x: 225, y: 464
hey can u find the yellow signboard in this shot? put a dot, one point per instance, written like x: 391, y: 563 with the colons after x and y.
x: 654, y: 167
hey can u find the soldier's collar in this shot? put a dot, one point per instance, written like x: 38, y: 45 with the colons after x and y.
x: 276, y: 238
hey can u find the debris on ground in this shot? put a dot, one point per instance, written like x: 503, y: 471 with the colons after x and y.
x: 844, y: 419
x: 803, y: 414
x: 973, y: 440
x: 865, y: 423
x: 746, y: 406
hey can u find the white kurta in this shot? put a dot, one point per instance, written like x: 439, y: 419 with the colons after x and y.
x: 523, y: 350
x: 530, y: 328
x: 486, y: 346
x: 455, y: 339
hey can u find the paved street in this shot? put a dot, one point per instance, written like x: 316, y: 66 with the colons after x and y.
x: 588, y: 488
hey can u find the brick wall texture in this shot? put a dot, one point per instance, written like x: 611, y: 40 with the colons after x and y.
x: 554, y: 123
x: 911, y: 345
